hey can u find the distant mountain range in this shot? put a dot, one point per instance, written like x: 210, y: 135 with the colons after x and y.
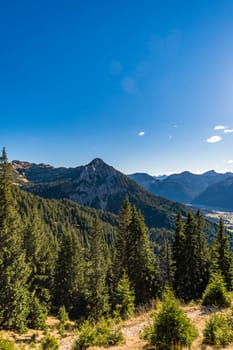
x: 96, y: 185
x: 210, y: 189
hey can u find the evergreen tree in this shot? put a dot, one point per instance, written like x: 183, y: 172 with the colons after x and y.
x: 121, y: 254
x: 172, y: 330
x: 70, y: 290
x: 39, y: 255
x: 191, y: 257
x: 140, y: 261
x: 203, y: 256
x: 178, y: 254
x: 221, y: 256
x: 96, y: 273
x: 166, y: 268
x: 14, y: 271
x: 215, y: 293
x: 124, y: 298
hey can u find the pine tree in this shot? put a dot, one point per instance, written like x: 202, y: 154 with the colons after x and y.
x: 14, y: 271
x: 124, y: 298
x: 70, y: 290
x: 172, y: 330
x: 191, y: 258
x: 203, y: 256
x: 178, y: 254
x: 96, y: 273
x: 215, y: 293
x: 166, y: 268
x: 222, y: 259
x: 39, y: 255
x: 121, y: 254
x: 140, y: 261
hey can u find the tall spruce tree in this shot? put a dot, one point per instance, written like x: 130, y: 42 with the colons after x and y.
x: 14, y: 271
x: 96, y: 273
x: 39, y: 248
x: 140, y: 263
x: 70, y: 290
x: 221, y: 256
x: 190, y: 253
x: 178, y: 254
x: 203, y: 256
x: 166, y: 267
x: 121, y: 254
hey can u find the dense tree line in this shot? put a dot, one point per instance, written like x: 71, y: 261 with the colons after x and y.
x: 56, y: 254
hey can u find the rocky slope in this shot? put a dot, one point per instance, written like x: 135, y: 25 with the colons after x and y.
x: 97, y: 185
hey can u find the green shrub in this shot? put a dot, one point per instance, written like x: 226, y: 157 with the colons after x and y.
x: 6, y: 344
x: 102, y: 334
x: 49, y: 343
x: 63, y: 315
x: 171, y: 328
x: 215, y: 293
x: 218, y: 330
x: 124, y: 298
x: 38, y: 315
x: 63, y: 318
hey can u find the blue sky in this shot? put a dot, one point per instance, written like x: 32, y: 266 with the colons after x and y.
x: 140, y: 84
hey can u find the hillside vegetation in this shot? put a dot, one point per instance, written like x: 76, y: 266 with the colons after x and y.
x: 73, y: 262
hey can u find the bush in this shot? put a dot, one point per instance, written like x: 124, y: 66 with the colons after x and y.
x: 38, y: 315
x: 49, y: 343
x: 216, y: 292
x: 63, y: 315
x: 171, y: 328
x: 218, y: 330
x: 124, y: 298
x: 63, y: 318
x: 102, y: 334
x: 6, y: 344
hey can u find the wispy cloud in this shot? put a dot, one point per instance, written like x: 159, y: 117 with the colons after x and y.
x: 141, y: 133
x: 214, y: 139
x: 230, y: 161
x: 219, y: 127
x: 227, y: 131
x: 129, y: 85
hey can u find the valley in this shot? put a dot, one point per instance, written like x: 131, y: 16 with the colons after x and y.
x: 215, y: 214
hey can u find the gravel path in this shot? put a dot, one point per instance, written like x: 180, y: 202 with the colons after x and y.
x: 66, y: 343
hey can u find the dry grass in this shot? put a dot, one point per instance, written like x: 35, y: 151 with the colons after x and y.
x: 24, y: 341
x: 130, y: 328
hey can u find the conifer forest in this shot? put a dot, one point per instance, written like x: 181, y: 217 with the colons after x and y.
x: 57, y: 257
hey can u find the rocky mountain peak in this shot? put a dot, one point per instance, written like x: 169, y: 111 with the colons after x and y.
x: 97, y: 162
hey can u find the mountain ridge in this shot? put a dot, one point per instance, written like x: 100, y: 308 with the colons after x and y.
x: 97, y: 185
x: 184, y: 187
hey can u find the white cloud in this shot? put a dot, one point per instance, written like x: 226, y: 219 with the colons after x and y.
x: 214, y: 139
x: 141, y: 133
x: 228, y: 131
x: 219, y: 127
x: 129, y: 85
x: 230, y: 161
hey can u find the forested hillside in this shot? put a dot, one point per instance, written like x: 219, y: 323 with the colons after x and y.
x: 96, y: 185
x: 58, y: 254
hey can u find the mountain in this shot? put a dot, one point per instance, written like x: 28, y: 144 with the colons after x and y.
x: 183, y: 187
x: 97, y: 185
x: 143, y: 179
x: 219, y: 195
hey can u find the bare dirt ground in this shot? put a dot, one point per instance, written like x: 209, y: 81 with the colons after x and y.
x: 131, y: 330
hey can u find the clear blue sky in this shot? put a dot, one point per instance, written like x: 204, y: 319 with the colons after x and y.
x: 141, y: 84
